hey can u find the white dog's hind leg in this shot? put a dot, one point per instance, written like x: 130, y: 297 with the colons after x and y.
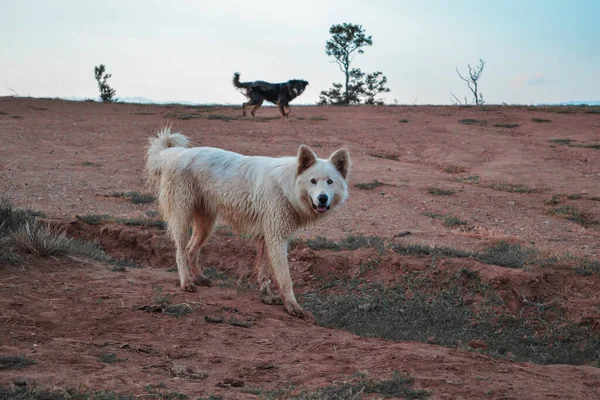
x: 203, y: 225
x: 179, y: 226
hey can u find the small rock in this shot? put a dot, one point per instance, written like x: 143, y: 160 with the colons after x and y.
x: 478, y: 344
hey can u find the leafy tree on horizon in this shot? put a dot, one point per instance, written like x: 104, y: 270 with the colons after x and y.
x: 107, y: 94
x: 346, y: 40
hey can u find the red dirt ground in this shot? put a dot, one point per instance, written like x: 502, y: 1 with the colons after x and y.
x: 64, y: 158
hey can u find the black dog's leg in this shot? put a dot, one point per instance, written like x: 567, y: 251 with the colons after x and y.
x: 289, y: 109
x: 281, y: 107
x: 256, y: 107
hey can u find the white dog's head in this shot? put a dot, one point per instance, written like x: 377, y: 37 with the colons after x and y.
x: 322, y: 183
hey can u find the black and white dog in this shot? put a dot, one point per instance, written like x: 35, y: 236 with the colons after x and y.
x: 276, y: 93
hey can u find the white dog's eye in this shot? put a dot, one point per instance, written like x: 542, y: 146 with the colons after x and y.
x: 329, y: 181
x: 313, y: 181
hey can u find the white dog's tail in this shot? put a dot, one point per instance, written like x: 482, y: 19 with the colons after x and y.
x: 163, y: 140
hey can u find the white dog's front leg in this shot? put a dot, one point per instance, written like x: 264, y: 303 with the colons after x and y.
x: 277, y: 253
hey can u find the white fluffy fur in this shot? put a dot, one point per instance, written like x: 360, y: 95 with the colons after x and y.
x: 269, y: 198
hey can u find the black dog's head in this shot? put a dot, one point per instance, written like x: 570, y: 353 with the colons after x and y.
x: 298, y: 86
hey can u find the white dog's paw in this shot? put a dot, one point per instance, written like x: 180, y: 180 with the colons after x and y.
x: 188, y: 287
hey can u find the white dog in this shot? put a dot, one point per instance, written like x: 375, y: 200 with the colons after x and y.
x: 269, y: 198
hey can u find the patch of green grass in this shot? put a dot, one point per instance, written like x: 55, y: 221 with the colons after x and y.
x: 468, y: 179
x: 94, y: 219
x: 15, y: 362
x: 449, y: 221
x: 318, y: 118
x: 588, y: 268
x: 454, y: 169
x: 506, y: 125
x: 399, y: 386
x: 220, y: 117
x: 121, y: 265
x: 322, y: 243
x: 417, y: 309
x: 508, y: 255
x: 350, y: 242
x: 143, y: 113
x: 29, y: 392
x: 540, y: 120
x: 510, y: 187
x: 109, y: 358
x: 573, y: 214
x: 164, y: 301
x: 552, y: 201
x: 562, y: 141
x: 32, y: 237
x: 368, y: 185
x: 134, y: 197
x: 160, y: 391
x: 420, y: 250
x: 440, y: 192
x: 575, y: 196
x: 572, y: 143
x: 471, y: 121
x: 145, y: 222
x: 90, y: 164
x: 316, y: 145
x: 403, y: 121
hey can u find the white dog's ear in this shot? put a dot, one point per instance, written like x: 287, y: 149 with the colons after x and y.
x: 341, y: 161
x: 306, y: 158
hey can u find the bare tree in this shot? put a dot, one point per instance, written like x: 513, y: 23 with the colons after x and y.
x: 473, y: 81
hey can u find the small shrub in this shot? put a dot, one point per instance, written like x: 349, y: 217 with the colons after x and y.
x: 318, y: 118
x: 403, y: 121
x: 575, y: 196
x: 541, y: 120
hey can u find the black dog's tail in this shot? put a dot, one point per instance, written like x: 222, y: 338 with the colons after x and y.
x: 236, y: 81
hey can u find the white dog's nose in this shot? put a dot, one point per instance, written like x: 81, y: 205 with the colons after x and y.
x: 322, y: 198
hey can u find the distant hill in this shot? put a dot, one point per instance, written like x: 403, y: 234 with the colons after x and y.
x: 572, y: 103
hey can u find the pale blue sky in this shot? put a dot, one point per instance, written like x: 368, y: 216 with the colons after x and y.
x: 536, y: 51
